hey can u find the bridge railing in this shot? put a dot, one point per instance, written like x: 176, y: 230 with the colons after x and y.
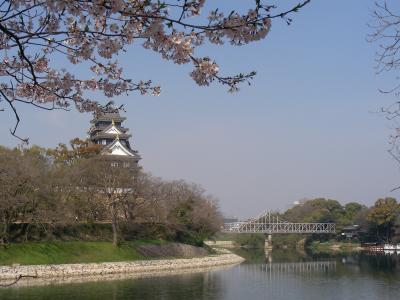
x: 284, y: 227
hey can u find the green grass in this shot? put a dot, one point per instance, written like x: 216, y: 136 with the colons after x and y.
x: 70, y: 252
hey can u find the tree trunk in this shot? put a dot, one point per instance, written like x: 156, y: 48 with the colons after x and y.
x: 114, y: 224
x: 4, y: 236
x: 387, y: 233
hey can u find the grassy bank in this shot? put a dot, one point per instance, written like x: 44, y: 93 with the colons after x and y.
x: 333, y: 246
x: 58, y: 252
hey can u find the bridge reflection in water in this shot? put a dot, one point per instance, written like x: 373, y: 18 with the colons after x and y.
x: 293, y: 267
x: 276, y: 276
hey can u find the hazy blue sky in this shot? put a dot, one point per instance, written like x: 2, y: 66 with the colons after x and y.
x: 304, y: 129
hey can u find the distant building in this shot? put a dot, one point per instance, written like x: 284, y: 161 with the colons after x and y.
x: 351, y: 232
x: 107, y: 131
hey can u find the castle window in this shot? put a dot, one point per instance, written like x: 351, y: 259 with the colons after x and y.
x: 127, y: 165
x: 104, y: 142
x: 114, y: 164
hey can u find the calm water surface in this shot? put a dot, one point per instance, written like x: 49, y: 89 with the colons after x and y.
x: 283, y: 275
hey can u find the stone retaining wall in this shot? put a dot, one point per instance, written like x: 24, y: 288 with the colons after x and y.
x: 223, y: 257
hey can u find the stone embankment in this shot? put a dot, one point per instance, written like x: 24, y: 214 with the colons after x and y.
x: 99, y: 270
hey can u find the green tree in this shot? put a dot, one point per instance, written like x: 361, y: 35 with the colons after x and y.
x: 382, y: 217
x: 315, y: 210
x: 352, y: 213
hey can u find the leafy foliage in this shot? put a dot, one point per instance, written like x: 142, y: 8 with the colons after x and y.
x: 377, y: 223
x: 316, y: 210
x: 383, y: 216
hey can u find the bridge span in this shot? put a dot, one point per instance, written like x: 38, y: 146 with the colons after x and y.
x: 270, y: 223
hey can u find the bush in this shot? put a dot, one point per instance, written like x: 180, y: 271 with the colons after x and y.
x: 250, y: 240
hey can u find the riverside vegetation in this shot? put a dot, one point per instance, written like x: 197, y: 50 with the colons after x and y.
x: 68, y: 205
x: 379, y: 223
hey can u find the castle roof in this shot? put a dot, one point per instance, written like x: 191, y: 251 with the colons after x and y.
x: 108, y: 116
x: 118, y: 148
x: 101, y: 127
x: 106, y: 130
x: 105, y: 135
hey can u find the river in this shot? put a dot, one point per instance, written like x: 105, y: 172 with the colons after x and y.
x: 280, y: 275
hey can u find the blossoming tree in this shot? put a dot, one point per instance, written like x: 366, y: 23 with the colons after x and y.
x: 34, y: 33
x: 386, y: 31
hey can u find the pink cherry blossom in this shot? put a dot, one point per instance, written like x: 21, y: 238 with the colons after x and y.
x: 36, y: 35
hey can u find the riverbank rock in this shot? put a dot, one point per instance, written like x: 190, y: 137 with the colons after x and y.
x: 14, y: 275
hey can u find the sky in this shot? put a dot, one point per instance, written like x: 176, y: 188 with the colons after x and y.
x: 307, y: 126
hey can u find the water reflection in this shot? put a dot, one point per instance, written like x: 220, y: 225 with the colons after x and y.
x: 278, y: 275
x: 189, y: 286
x: 299, y: 267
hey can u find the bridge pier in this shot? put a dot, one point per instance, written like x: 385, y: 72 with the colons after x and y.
x: 268, y: 242
x: 268, y: 255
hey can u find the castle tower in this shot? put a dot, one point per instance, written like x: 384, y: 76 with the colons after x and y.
x: 107, y: 131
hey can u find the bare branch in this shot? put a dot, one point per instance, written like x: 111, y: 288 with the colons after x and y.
x: 19, y: 277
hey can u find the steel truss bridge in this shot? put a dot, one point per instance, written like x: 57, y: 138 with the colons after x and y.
x: 270, y: 223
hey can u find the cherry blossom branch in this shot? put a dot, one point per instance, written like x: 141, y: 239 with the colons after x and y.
x: 33, y: 33
x: 12, y: 131
x: 386, y: 31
